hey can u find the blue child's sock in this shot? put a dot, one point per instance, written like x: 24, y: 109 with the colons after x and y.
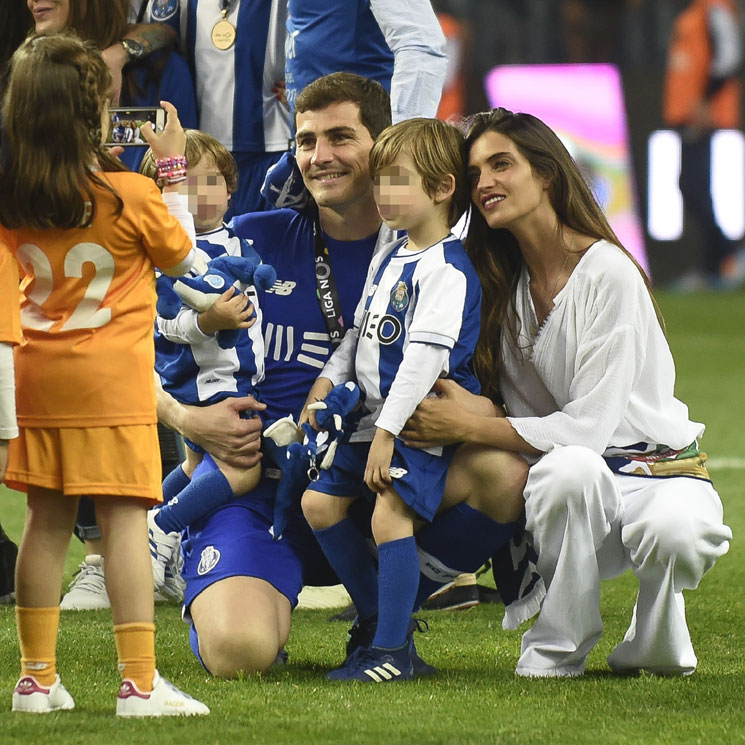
x: 347, y: 551
x: 457, y: 541
x: 398, y: 579
x: 174, y: 483
x: 204, y: 493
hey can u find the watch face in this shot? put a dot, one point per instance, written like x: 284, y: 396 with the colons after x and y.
x: 134, y: 48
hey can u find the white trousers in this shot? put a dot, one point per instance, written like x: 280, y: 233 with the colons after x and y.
x: 589, y: 524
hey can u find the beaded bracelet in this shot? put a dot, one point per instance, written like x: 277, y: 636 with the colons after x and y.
x: 171, y: 170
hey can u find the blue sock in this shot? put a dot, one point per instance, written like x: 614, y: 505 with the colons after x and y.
x: 461, y: 539
x: 175, y: 482
x: 347, y: 551
x: 204, y: 493
x: 398, y: 572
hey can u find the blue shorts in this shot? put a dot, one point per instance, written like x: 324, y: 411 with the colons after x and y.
x: 420, y: 485
x: 234, y: 541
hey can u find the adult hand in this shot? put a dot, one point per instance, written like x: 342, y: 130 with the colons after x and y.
x: 438, y: 420
x: 115, y: 57
x: 169, y: 143
x: 221, y: 431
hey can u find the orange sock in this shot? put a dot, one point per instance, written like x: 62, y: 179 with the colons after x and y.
x: 37, y: 636
x: 135, y: 647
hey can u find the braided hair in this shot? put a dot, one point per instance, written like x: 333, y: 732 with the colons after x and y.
x: 53, y: 153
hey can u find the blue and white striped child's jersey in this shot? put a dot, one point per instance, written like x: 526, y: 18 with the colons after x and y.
x: 358, y: 43
x: 234, y: 86
x: 201, y: 372
x: 431, y: 296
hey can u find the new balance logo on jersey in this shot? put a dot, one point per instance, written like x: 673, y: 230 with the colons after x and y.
x: 282, y: 288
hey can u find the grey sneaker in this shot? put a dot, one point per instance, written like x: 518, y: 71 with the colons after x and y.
x: 87, y: 590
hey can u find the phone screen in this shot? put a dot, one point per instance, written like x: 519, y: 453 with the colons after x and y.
x: 126, y: 124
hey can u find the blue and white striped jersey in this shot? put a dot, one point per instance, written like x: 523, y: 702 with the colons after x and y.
x: 234, y: 86
x: 326, y: 36
x: 431, y: 296
x: 192, y: 366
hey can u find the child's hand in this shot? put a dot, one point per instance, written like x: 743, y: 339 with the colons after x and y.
x: 230, y: 311
x: 318, y: 392
x: 377, y: 476
x: 169, y: 143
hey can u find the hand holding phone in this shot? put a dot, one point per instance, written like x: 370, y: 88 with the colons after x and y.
x: 172, y: 140
x: 125, y: 128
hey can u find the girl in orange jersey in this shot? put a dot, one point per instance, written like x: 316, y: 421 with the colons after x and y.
x: 87, y: 234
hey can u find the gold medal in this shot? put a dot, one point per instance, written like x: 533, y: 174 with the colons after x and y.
x: 223, y: 32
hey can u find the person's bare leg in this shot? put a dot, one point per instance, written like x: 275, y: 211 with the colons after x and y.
x: 242, y: 623
x: 50, y: 519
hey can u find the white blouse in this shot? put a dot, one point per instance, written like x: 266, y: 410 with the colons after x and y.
x: 598, y: 372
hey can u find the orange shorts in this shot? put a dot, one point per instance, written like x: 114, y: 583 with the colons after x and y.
x: 89, y: 461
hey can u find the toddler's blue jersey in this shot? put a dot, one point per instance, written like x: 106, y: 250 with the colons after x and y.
x: 432, y: 296
x: 296, y: 337
x: 234, y: 86
x: 324, y: 36
x: 204, y: 373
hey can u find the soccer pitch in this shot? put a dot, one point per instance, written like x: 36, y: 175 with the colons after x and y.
x: 475, y: 698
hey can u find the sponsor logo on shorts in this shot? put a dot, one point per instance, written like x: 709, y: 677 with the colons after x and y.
x: 208, y: 560
x: 397, y: 473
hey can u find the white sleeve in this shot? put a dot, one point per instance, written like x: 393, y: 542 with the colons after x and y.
x: 183, y: 329
x: 178, y: 206
x: 413, y: 33
x: 420, y: 367
x: 609, y: 361
x: 8, y: 423
x: 340, y: 367
x: 725, y: 41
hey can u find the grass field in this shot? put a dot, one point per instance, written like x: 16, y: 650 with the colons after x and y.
x: 476, y: 698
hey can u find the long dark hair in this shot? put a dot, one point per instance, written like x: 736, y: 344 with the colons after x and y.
x: 15, y: 21
x: 496, y: 254
x: 57, y: 93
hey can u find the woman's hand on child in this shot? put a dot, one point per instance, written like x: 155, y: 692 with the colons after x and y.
x: 169, y: 143
x: 438, y: 420
x: 377, y: 470
x: 231, y: 310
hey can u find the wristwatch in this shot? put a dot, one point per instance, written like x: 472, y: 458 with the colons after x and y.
x: 133, y: 48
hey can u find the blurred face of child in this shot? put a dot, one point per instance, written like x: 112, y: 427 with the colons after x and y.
x: 50, y: 16
x: 399, y: 193
x: 208, y: 194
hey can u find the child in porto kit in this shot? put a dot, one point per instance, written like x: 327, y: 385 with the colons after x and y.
x: 417, y: 321
x: 195, y: 369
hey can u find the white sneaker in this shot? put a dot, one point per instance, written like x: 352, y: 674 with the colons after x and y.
x: 32, y: 697
x: 173, y: 583
x: 87, y: 591
x: 165, y: 700
x: 163, y: 547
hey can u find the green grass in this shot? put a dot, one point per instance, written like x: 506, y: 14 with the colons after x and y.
x: 476, y: 698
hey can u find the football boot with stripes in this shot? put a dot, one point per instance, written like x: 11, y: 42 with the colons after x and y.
x: 362, y: 633
x: 376, y: 665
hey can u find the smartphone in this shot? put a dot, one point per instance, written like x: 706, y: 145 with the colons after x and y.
x: 125, y: 124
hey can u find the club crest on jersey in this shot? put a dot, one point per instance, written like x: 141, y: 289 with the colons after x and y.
x: 163, y: 9
x: 399, y: 297
x: 208, y: 560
